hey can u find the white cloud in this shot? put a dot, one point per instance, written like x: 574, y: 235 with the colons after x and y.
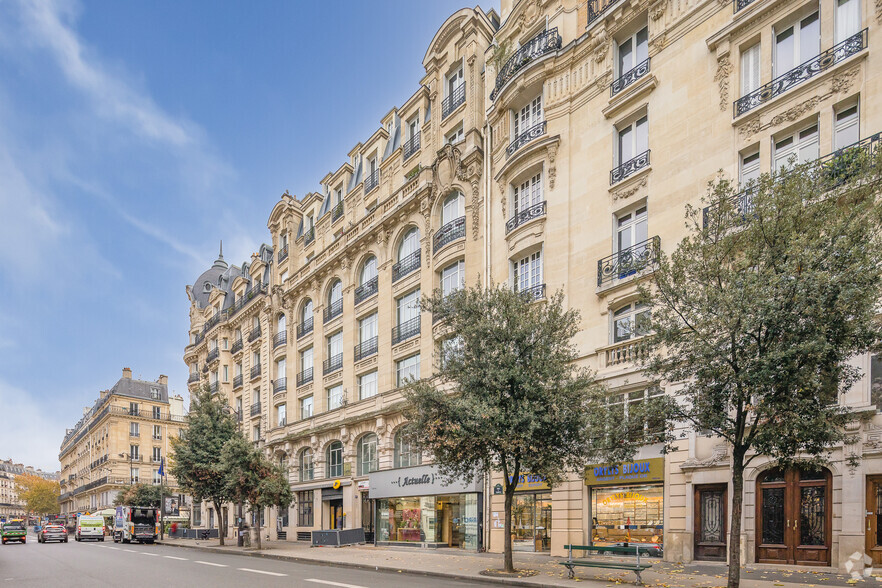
x: 31, y: 434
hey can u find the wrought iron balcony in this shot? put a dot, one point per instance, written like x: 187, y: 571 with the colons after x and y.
x: 280, y: 385
x: 254, y: 334
x: 304, y: 377
x: 523, y: 216
x: 851, y: 46
x: 596, y: 8
x: 536, y: 292
x: 366, y: 348
x: 408, y: 264
x: 213, y: 355
x: 280, y: 339
x: 255, y: 371
x: 199, y: 338
x: 337, y: 211
x: 406, y: 330
x: 309, y: 236
x: 214, y: 387
x: 741, y: 4
x: 629, y: 261
x: 332, y: 364
x: 629, y: 167
x: 450, y: 232
x: 372, y: 181
x: 194, y: 377
x: 453, y: 100
x: 412, y: 145
x: 333, y: 310
x: 205, y: 369
x: 304, y: 328
x: 366, y: 290
x: 536, y: 130
x: 237, y: 381
x: 255, y: 409
x: 283, y: 254
x: 237, y: 346
x: 543, y: 43
x: 629, y: 77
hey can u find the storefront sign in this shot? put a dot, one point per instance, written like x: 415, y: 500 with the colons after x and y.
x: 531, y: 482
x: 416, y: 481
x: 363, y: 485
x: 638, y: 471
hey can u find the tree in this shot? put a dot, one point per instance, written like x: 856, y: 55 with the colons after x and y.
x: 252, y: 478
x: 196, y: 457
x: 39, y: 494
x: 761, y: 305
x: 139, y: 495
x: 507, y: 395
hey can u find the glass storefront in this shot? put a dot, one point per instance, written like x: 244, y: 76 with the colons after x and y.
x: 450, y: 520
x: 627, y: 514
x: 531, y: 522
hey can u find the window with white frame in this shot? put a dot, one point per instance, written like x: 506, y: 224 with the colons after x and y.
x: 335, y: 396
x: 335, y: 345
x: 633, y: 51
x: 633, y: 139
x: 629, y: 322
x: 157, y: 479
x: 367, y: 385
x: 455, y: 136
x: 281, y: 324
x: 255, y: 358
x: 239, y: 405
x: 454, y: 81
x: 305, y: 466
x: 527, y: 271
x: 157, y: 432
x: 527, y: 193
x: 367, y: 328
x: 796, y: 43
x: 335, y: 459
x: 306, y: 359
x: 136, y: 475
x: 367, y: 454
x: 631, y: 409
x: 409, y: 244
x: 749, y: 169
x: 846, y: 130
x: 449, y: 348
x: 408, y: 306
x: 255, y: 433
x: 281, y: 415
x: 631, y: 229
x: 368, y: 271
x: 452, y: 277
x: 413, y: 126
x: 226, y: 373
x: 848, y: 19
x: 527, y: 116
x: 335, y: 294
x: 281, y: 371
x: 306, y: 312
x: 157, y: 454
x: 797, y: 147
x: 407, y: 369
x: 306, y: 407
x: 452, y: 208
x: 405, y: 453
x: 750, y: 69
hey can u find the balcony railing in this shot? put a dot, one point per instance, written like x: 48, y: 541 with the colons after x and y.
x: 337, y: 211
x: 333, y: 310
x: 366, y: 290
x: 304, y: 328
x: 408, y: 264
x: 629, y: 167
x: 596, y: 8
x: 254, y: 334
x: 237, y: 381
x: 851, y: 46
x: 332, y: 364
x: 629, y: 77
x: 280, y: 385
x: 628, y: 262
x: 741, y: 4
x: 304, y: 377
x: 213, y: 355
x: 194, y: 377
x: 543, y: 43
x: 214, y: 387
x: 536, y: 292
x: 630, y: 351
x: 255, y: 409
x: 280, y: 339
x: 536, y: 130
x: 372, y: 181
x: 523, y: 216
x: 309, y: 236
x: 453, y: 100
x: 406, y: 330
x: 412, y: 145
x: 450, y: 232
x: 134, y: 434
x: 366, y: 348
x: 255, y: 371
x: 283, y: 254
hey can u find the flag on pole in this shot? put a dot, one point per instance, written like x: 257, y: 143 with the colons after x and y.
x: 162, y: 467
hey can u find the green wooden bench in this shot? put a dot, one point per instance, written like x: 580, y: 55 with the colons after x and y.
x: 635, y: 566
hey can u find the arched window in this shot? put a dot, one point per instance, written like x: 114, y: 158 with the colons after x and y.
x: 306, y: 469
x: 306, y: 312
x: 409, y: 244
x: 335, y: 459
x: 281, y: 325
x: 336, y: 292
x: 405, y: 454
x: 452, y: 208
x: 367, y: 454
x: 368, y: 271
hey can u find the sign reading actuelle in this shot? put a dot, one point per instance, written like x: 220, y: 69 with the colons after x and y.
x: 417, y: 481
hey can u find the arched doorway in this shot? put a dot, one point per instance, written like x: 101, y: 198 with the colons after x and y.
x: 793, y: 516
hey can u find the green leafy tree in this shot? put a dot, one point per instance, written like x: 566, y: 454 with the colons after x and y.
x: 506, y: 396
x: 39, y: 494
x: 139, y: 495
x: 252, y: 478
x: 196, y: 457
x: 759, y: 308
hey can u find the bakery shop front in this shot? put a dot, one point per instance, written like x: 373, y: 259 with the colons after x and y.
x: 626, y: 502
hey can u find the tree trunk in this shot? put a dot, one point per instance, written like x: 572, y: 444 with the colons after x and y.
x: 256, y: 514
x: 222, y: 524
x: 735, y: 519
x: 509, y: 498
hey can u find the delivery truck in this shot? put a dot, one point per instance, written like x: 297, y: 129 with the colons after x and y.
x: 136, y: 523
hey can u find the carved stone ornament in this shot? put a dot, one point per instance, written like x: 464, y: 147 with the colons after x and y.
x: 659, y: 41
x: 503, y: 195
x: 601, y: 45
x: 657, y: 10
x: 720, y: 456
x: 476, y: 206
x: 552, y: 167
x: 628, y: 192
x: 529, y: 15
x: 724, y: 70
x: 446, y: 168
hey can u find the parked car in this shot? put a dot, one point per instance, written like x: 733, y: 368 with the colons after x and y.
x: 14, y: 531
x: 52, y: 533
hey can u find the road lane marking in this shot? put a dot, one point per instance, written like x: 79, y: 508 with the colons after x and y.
x: 260, y: 572
x: 333, y: 583
x: 209, y: 563
x: 173, y: 557
x: 116, y: 548
x: 145, y: 553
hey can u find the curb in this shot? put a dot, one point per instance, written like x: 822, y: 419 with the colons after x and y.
x: 359, y: 566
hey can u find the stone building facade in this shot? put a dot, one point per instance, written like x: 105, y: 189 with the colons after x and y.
x: 11, y: 506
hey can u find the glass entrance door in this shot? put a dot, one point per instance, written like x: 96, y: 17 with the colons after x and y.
x: 531, y: 522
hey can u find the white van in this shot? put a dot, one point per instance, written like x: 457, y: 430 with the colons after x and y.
x: 89, y: 527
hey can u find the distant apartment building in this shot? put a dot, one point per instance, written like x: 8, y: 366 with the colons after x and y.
x: 11, y: 506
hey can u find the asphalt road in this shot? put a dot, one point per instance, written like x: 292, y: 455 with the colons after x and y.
x: 97, y: 564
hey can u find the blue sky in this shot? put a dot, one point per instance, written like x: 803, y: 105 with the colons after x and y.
x: 133, y: 137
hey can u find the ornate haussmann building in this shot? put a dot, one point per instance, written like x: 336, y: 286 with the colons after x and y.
x: 11, y: 505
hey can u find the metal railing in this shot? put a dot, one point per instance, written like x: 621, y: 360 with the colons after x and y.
x: 741, y: 4
x: 280, y: 339
x: 237, y: 346
x: 366, y: 348
x: 450, y: 232
x: 213, y: 355
x: 254, y: 334
x: 818, y: 64
x: 237, y: 381
x: 337, y: 211
x: 407, y: 264
x: 406, y: 330
x: 194, y: 377
x: 596, y: 8
x: 523, y: 216
x: 453, y: 100
x: 280, y: 385
x: 525, y: 137
x: 412, y: 145
x: 304, y: 377
x: 366, y: 290
x: 332, y: 364
x: 255, y: 408
x: 309, y: 236
x: 305, y: 328
x: 255, y: 371
x: 629, y: 77
x: 333, y: 310
x: 536, y: 292
x: 628, y: 262
x: 372, y: 181
x: 629, y: 167
x: 543, y: 43
x: 283, y: 254
x: 214, y: 387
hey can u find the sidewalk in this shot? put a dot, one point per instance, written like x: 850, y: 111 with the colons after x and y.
x: 467, y: 566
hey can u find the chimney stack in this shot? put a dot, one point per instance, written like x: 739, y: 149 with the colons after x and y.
x: 163, y: 380
x: 127, y: 373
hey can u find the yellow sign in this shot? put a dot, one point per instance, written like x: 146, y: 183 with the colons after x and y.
x: 638, y: 471
x: 620, y: 497
x: 336, y: 485
x: 531, y: 482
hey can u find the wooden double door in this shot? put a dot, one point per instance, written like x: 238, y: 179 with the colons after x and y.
x: 874, y: 519
x: 794, y: 517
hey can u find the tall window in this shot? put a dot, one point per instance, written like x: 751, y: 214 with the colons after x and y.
x: 133, y: 452
x: 452, y: 208
x: 136, y: 475
x: 633, y: 139
x: 157, y: 454
x: 157, y: 432
x: 750, y: 69
x: 631, y: 409
x: 157, y: 411
x: 304, y: 508
x: 368, y: 271
x: 306, y: 312
x: 305, y: 465
x: 367, y: 454
x: 453, y: 277
x: 281, y: 415
x: 796, y: 44
x: 367, y: 385
x: 281, y: 370
x: 306, y: 360
x: 750, y: 167
x: 406, y: 455
x: 281, y: 324
x: 527, y: 271
x: 335, y: 459
x: 848, y: 19
x: 367, y: 328
x: 408, y: 306
x: 306, y: 407
x: 630, y: 321
x: 335, y: 397
x: 454, y: 81
x: 528, y: 193
x: 225, y: 370
x: 631, y: 229
x: 846, y: 130
x: 409, y: 244
x: 407, y: 369
x: 255, y: 433
x: 133, y: 408
x: 336, y: 293
x: 455, y: 136
x: 134, y: 431
x: 413, y: 126
x: 335, y: 345
x: 802, y: 145
x: 528, y: 116
x: 633, y: 51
